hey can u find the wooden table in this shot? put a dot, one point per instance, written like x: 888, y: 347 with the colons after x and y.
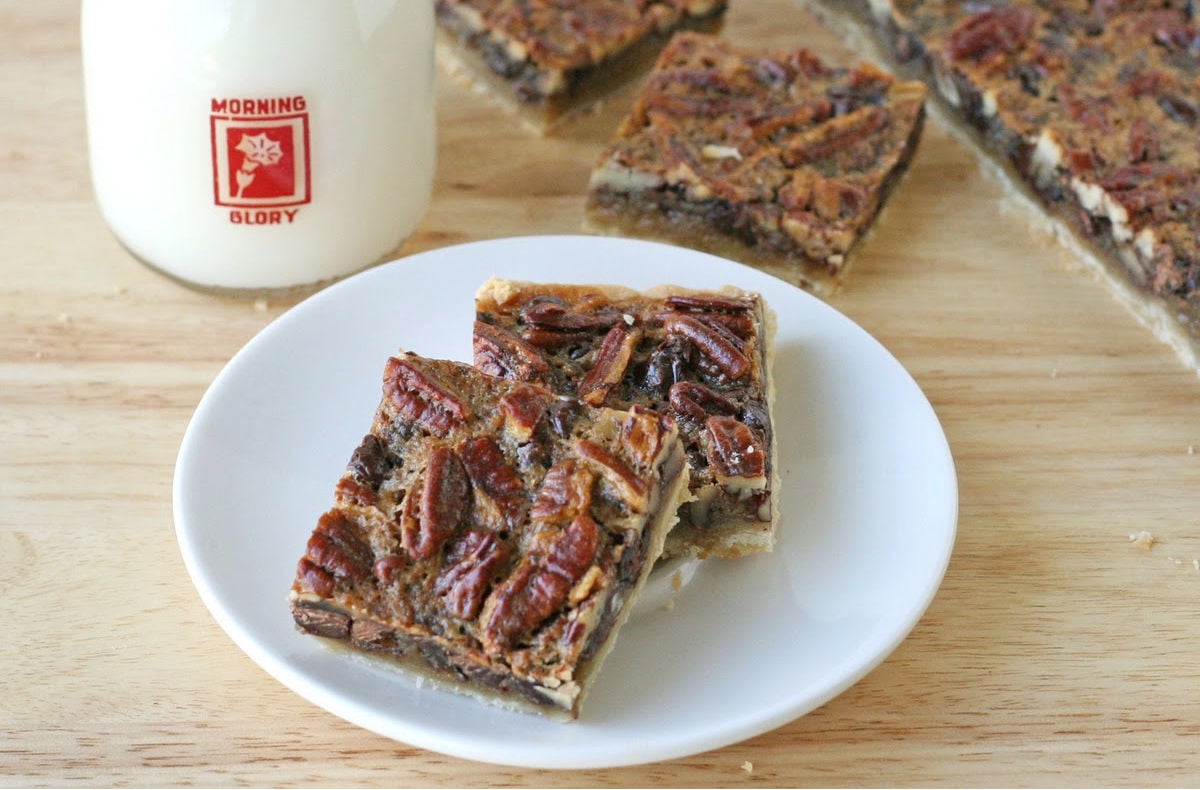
x: 1056, y: 652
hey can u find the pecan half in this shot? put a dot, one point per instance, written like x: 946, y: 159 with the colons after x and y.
x: 632, y: 489
x: 719, y: 347
x: 444, y: 501
x: 311, y: 577
x: 734, y: 452
x: 553, y: 314
x: 740, y: 325
x: 388, y: 568
x: 612, y: 359
x: 574, y: 550
x: 709, y: 304
x: 523, y: 408
x: 539, y: 586
x: 474, y: 560
x: 499, y: 352
x: 502, y: 501
x: 790, y: 115
x: 642, y: 434
x: 420, y: 399
x: 834, y: 135
x: 991, y: 32
x: 350, y: 491
x: 662, y: 107
x: 520, y: 604
x: 696, y: 401
x: 335, y: 551
x: 566, y: 491
x: 551, y: 339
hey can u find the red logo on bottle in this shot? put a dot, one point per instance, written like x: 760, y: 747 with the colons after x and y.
x: 260, y: 152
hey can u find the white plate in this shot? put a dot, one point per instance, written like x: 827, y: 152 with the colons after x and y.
x: 869, y: 508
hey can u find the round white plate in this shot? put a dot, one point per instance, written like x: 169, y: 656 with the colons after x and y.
x: 869, y: 507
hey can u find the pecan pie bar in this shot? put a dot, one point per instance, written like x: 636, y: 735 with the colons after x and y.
x: 545, y: 59
x: 775, y: 159
x: 703, y: 358
x: 491, y: 534
x: 1089, y: 111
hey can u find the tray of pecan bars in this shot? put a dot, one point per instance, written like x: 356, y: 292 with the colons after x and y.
x: 716, y: 650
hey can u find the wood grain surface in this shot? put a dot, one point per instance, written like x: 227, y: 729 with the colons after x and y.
x: 1055, y: 653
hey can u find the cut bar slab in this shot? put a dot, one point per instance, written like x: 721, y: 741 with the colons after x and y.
x: 774, y: 159
x: 1089, y: 112
x: 490, y: 534
x: 701, y: 357
x: 548, y: 59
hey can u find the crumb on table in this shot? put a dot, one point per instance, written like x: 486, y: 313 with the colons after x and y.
x: 1142, y: 540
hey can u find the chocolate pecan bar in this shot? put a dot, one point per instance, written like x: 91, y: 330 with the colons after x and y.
x: 775, y: 159
x: 545, y: 59
x: 491, y: 534
x: 1090, y: 110
x: 703, y: 358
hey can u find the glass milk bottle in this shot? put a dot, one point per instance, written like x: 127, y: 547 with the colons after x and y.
x: 257, y: 145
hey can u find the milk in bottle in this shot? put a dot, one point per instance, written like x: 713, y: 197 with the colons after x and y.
x: 260, y: 144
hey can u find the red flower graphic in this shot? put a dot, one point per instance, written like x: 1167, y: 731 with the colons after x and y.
x: 257, y: 150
